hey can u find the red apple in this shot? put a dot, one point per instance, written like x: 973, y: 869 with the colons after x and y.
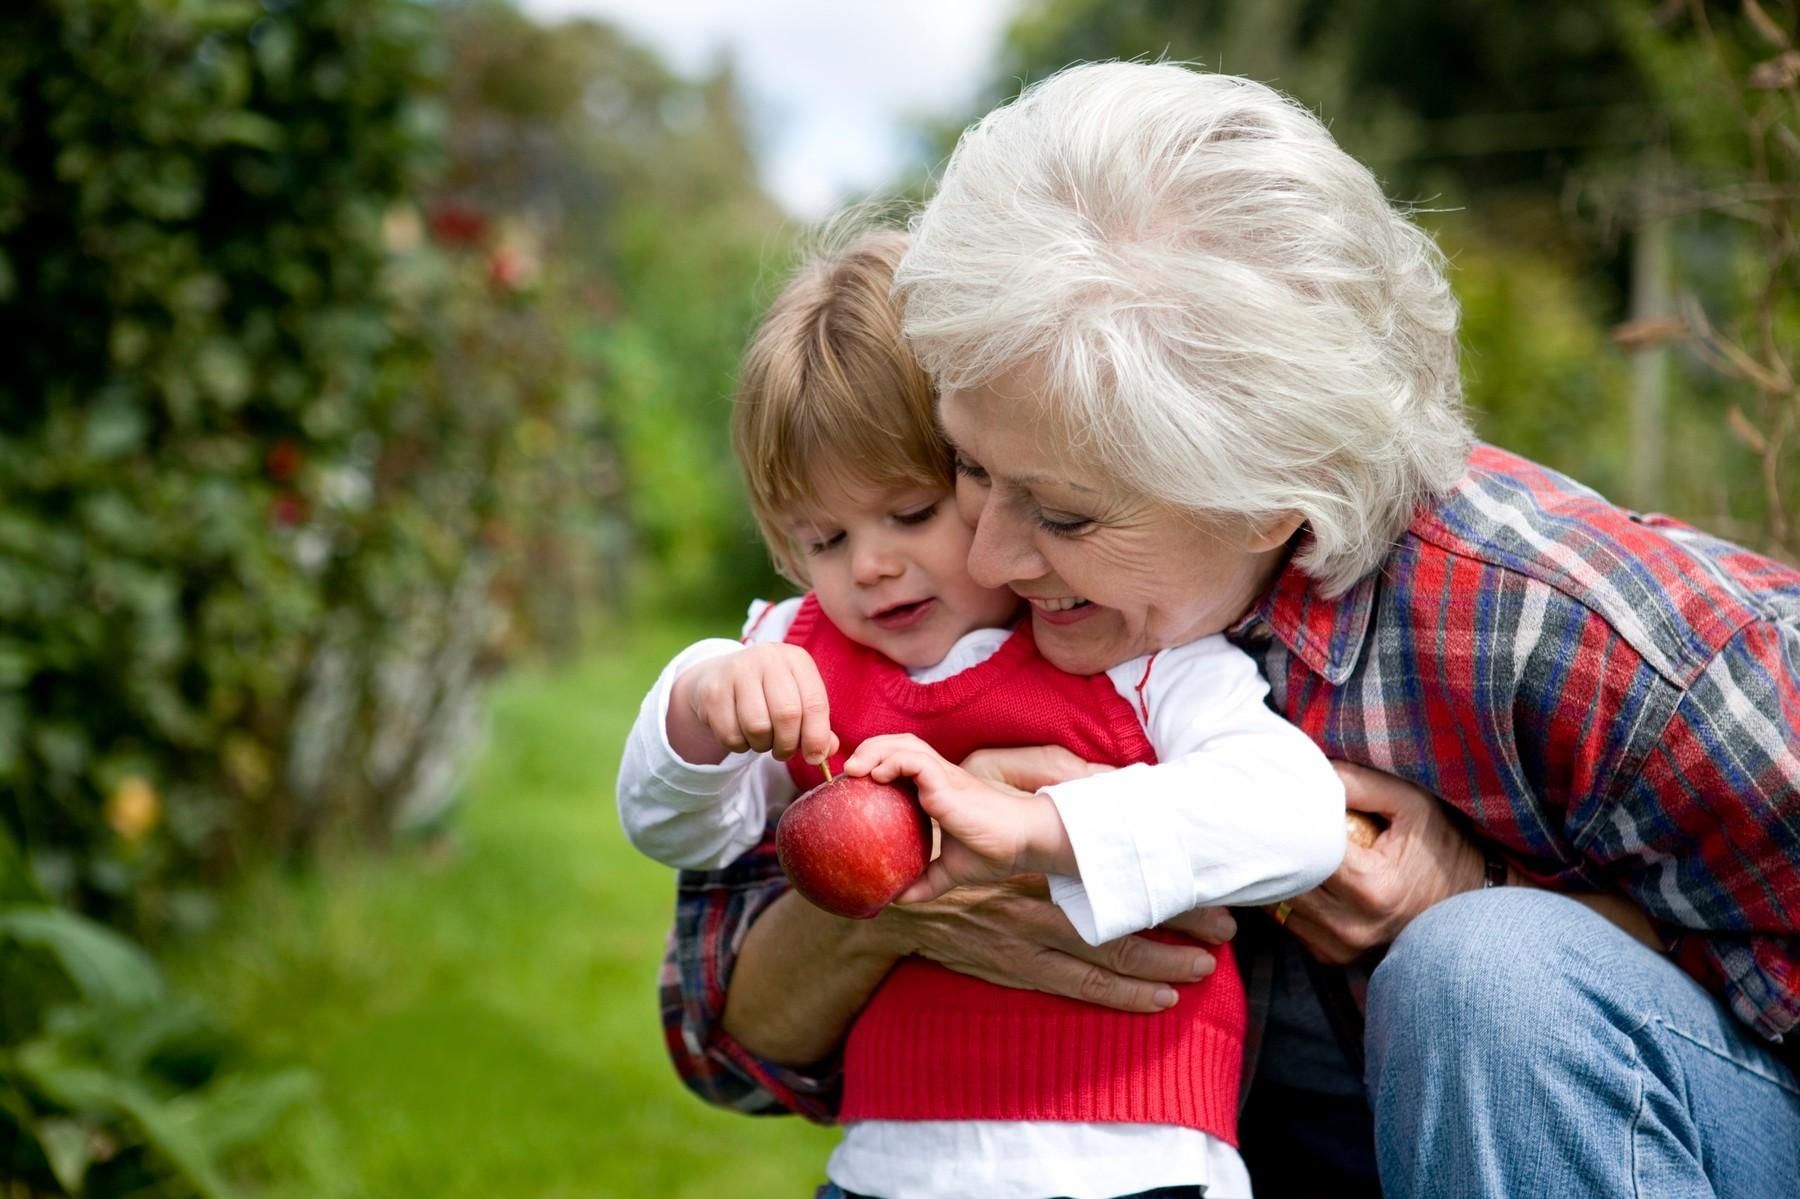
x: 852, y: 844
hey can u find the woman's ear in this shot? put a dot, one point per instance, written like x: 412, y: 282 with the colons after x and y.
x: 1275, y: 533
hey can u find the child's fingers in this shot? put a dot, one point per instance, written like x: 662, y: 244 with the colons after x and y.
x: 934, y: 882
x: 781, y: 699
x: 879, y: 749
x: 924, y: 768
x: 752, y: 712
x: 817, y: 741
x: 719, y: 711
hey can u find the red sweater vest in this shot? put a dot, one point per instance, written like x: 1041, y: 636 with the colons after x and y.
x: 936, y: 1045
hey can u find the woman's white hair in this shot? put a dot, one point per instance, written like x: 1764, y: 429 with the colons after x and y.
x: 1224, y: 307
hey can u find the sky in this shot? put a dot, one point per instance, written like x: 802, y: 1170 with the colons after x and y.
x: 831, y: 84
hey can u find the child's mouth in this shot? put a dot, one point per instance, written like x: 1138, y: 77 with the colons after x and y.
x: 903, y: 616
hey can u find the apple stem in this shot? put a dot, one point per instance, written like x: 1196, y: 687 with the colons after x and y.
x: 825, y: 765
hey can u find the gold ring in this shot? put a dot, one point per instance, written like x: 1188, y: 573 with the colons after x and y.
x: 1283, y: 910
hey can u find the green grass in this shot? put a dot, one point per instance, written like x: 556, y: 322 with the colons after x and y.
x: 482, y: 1022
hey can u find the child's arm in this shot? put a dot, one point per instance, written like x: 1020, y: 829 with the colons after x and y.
x: 1242, y: 808
x: 686, y: 798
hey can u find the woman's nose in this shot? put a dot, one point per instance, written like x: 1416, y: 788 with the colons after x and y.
x: 1000, y: 551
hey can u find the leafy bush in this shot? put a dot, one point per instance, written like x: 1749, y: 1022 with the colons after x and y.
x: 280, y: 439
x: 109, y: 1086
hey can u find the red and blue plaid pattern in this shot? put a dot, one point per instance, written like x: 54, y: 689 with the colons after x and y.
x: 1611, y: 698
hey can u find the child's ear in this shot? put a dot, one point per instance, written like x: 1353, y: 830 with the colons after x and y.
x: 1275, y: 533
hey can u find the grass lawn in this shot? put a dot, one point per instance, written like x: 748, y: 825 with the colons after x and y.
x: 483, y: 1022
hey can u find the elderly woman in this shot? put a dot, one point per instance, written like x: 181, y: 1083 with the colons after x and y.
x: 1203, y: 378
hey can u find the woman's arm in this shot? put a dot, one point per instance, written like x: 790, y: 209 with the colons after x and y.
x: 802, y: 975
x: 744, y: 945
x: 1419, y: 858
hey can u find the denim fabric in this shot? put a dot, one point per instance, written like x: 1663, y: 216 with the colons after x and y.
x: 1519, y: 1044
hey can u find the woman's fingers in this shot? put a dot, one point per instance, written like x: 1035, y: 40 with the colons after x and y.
x: 1096, y: 984
x: 1214, y: 926
x: 1011, y: 934
x: 1374, y: 791
x: 1029, y: 768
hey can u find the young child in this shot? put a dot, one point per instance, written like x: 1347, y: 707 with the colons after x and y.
x: 954, y: 1086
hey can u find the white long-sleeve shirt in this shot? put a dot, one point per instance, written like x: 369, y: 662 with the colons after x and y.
x: 1241, y: 808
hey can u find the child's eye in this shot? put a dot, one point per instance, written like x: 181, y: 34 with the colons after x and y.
x: 917, y: 516
x: 971, y: 470
x: 821, y: 544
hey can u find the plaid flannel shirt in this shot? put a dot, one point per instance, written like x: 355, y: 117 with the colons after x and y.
x: 1611, y: 699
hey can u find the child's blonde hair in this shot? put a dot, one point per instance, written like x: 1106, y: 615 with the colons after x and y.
x: 828, y: 385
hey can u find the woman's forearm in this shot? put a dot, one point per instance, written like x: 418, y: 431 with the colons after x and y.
x: 802, y: 976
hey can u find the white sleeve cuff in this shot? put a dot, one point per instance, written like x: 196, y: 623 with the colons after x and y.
x: 1133, y: 875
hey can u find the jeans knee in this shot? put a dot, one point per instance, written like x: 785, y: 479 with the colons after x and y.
x: 1494, y: 964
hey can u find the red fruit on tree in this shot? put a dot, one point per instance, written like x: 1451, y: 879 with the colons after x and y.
x: 852, y: 844
x: 283, y: 460
x: 458, y: 225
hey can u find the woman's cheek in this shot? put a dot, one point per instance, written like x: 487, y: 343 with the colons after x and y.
x: 970, y: 496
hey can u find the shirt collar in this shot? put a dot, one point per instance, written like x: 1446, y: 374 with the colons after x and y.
x: 1326, y: 634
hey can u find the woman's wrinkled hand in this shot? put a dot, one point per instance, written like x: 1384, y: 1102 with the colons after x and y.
x: 1419, y: 858
x: 1030, y: 768
x: 1011, y: 934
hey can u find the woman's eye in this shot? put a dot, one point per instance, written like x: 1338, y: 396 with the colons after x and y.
x: 1061, y: 524
x: 917, y: 516
x: 970, y: 470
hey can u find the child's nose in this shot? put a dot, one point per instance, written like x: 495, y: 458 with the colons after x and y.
x: 874, y: 561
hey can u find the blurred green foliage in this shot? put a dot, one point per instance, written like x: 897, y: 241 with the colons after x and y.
x: 359, y: 348
x: 190, y: 216
x: 110, y: 1086
x: 1728, y: 80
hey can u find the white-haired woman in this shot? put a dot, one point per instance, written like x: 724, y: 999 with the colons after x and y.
x: 1203, y: 378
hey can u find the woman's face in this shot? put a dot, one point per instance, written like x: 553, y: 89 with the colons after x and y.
x: 1109, y: 575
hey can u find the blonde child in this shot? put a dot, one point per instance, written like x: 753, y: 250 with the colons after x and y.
x: 954, y: 1086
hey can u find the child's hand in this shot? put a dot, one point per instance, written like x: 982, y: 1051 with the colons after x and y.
x: 989, y: 832
x: 766, y: 698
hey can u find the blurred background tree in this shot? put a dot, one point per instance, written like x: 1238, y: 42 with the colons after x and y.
x: 360, y: 346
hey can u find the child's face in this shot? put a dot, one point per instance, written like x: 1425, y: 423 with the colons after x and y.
x: 890, y: 568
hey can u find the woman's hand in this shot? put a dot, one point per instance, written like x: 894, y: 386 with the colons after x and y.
x: 1030, y: 768
x: 1011, y: 934
x: 1420, y: 858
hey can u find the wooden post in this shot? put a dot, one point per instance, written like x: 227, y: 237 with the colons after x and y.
x: 1649, y: 365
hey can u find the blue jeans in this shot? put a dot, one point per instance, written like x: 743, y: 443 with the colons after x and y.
x: 1519, y: 1044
